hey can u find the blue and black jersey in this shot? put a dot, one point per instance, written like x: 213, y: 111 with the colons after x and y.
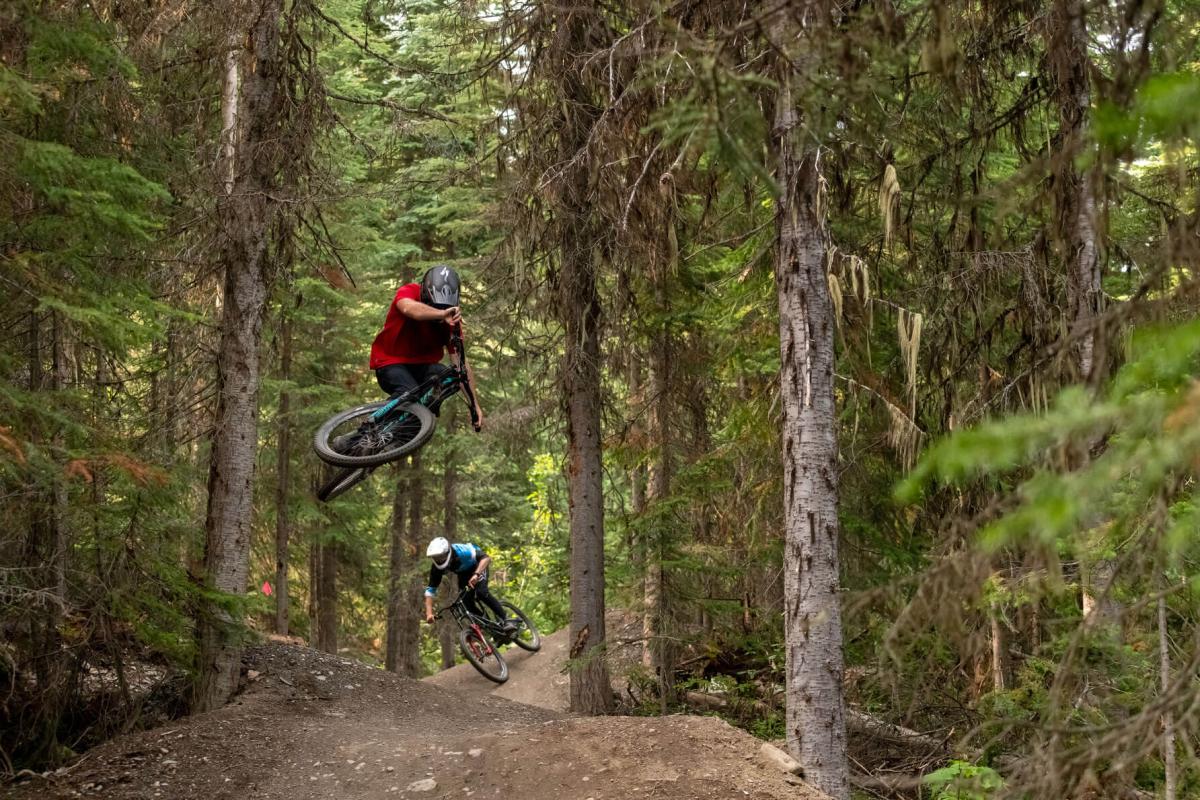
x: 464, y: 558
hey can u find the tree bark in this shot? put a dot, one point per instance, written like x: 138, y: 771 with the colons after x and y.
x: 1075, y: 193
x: 815, y: 717
x: 404, y: 620
x: 327, y: 617
x: 1168, y: 722
x: 580, y: 315
x: 446, y: 629
x: 657, y: 653
x: 1075, y: 226
x: 391, y: 659
x: 245, y: 217
x: 283, y: 520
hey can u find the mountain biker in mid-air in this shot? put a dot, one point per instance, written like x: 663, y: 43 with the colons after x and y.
x: 416, y: 333
x: 470, y: 564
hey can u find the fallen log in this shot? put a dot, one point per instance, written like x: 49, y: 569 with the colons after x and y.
x: 857, y: 722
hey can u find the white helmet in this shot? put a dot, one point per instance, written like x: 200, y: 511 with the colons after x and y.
x: 439, y: 551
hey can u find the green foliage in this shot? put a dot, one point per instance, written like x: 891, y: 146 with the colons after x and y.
x: 961, y: 780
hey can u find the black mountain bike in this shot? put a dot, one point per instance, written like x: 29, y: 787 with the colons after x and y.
x: 480, y: 636
x: 371, y: 435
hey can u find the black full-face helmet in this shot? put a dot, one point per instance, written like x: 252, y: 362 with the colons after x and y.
x: 439, y: 287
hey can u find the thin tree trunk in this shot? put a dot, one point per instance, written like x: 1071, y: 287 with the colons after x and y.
x: 396, y: 596
x: 58, y: 503
x: 314, y: 574
x: 1075, y: 193
x: 409, y: 615
x: 45, y: 550
x: 283, y: 520
x: 636, y: 536
x: 327, y: 594
x: 446, y: 628
x: 815, y: 717
x: 245, y: 216
x: 1168, y: 723
x: 230, y: 93
x: 999, y: 642
x: 656, y: 600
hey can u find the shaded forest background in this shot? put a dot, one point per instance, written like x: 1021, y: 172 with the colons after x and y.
x: 1005, y: 197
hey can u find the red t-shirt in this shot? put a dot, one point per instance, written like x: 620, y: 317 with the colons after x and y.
x: 409, y: 341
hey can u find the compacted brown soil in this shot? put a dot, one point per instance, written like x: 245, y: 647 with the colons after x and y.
x: 311, y: 725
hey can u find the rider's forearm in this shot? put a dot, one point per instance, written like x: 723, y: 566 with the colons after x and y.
x: 415, y: 309
x: 474, y: 390
x: 483, y: 565
x: 428, y: 606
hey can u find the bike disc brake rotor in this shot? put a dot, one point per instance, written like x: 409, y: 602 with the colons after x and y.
x: 374, y: 439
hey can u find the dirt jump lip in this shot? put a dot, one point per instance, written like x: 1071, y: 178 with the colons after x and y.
x: 311, y: 725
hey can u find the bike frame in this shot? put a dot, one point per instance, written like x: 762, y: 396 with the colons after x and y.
x: 466, y: 619
x: 445, y: 385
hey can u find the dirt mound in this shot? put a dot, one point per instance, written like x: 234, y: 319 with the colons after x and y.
x: 540, y: 679
x: 311, y: 725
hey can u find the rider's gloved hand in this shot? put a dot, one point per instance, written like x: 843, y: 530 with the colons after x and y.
x: 474, y: 580
x: 429, y: 618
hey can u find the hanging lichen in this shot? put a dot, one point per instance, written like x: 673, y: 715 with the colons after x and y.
x: 835, y: 296
x: 908, y: 329
x: 904, y: 436
x: 889, y: 202
x: 859, y: 275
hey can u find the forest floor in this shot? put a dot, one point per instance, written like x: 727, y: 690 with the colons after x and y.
x: 311, y: 725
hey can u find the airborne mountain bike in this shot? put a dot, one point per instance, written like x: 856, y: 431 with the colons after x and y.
x: 374, y: 434
x: 480, y: 636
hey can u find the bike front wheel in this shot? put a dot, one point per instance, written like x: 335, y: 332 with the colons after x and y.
x: 405, y: 429
x: 483, y: 657
x: 527, y: 636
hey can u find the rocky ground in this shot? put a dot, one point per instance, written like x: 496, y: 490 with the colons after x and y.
x: 310, y: 725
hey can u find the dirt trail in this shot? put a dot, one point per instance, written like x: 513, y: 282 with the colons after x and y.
x: 311, y: 725
x: 535, y: 679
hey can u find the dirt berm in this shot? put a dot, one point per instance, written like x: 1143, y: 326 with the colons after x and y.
x: 310, y: 725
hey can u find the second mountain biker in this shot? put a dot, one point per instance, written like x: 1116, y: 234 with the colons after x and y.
x: 470, y: 564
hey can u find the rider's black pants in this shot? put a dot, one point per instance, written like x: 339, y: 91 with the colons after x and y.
x: 482, y: 593
x: 396, y: 377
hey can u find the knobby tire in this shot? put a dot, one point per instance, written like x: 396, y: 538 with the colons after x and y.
x: 394, y: 450
x: 490, y: 665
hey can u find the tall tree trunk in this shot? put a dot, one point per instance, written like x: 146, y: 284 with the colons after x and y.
x: 283, y: 519
x: 446, y: 628
x: 395, y: 570
x: 816, y: 728
x: 410, y: 612
x: 580, y: 314
x: 314, y: 572
x: 1168, y: 722
x: 636, y: 537
x: 46, y: 549
x: 59, y: 546
x: 656, y: 601
x: 327, y: 594
x: 404, y: 619
x: 245, y: 218
x: 1075, y: 193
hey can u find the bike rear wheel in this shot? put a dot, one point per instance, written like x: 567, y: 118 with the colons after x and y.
x: 483, y: 657
x: 342, y: 482
x: 527, y: 636
x: 406, y: 428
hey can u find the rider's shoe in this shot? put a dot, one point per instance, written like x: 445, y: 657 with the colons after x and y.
x: 510, y: 626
